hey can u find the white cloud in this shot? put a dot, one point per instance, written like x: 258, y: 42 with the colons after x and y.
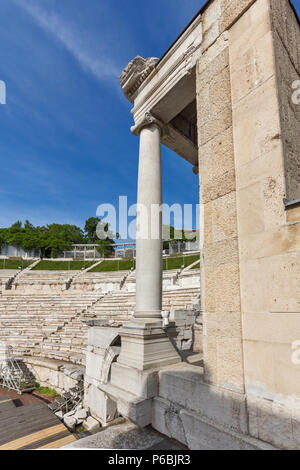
x: 101, y: 67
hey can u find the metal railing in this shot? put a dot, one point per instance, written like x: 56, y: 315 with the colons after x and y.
x: 68, y: 401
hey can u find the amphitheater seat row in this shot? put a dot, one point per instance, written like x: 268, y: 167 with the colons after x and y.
x: 27, y: 321
x: 71, y: 341
x: 54, y: 326
x: 46, y: 276
x: 5, y: 276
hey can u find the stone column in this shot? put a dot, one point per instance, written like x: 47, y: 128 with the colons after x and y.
x: 145, y: 344
x: 149, y: 224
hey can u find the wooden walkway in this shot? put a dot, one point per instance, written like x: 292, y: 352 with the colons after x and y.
x: 29, y: 427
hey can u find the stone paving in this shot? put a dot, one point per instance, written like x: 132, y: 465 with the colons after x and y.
x: 127, y: 436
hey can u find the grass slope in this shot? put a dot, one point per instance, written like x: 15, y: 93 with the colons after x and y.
x: 14, y: 264
x: 114, y: 265
x: 62, y: 265
x: 179, y: 261
x: 175, y: 262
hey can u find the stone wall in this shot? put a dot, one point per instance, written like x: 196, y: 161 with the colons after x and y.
x: 285, y: 29
x: 201, y: 416
x: 263, y: 45
x: 220, y: 278
x: 56, y: 375
x: 248, y: 163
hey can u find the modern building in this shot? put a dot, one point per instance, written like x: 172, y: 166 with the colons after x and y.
x: 10, y: 251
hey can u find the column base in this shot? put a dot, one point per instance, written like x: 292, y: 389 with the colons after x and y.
x: 145, y: 345
x: 148, y: 314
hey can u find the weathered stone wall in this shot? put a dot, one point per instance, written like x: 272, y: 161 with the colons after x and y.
x: 220, y: 277
x: 201, y: 416
x: 102, y: 352
x: 269, y: 243
x: 248, y: 163
x: 54, y: 374
x: 286, y: 37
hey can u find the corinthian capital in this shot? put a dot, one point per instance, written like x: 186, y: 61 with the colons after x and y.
x: 135, y: 73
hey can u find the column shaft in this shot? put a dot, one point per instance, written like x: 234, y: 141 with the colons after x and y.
x: 149, y: 226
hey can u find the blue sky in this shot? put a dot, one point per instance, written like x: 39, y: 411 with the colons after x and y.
x: 65, y: 144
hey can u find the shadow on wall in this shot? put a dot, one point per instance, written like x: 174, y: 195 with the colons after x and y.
x: 203, y: 416
x: 186, y: 333
x: 197, y: 416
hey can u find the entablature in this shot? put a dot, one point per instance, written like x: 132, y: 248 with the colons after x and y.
x: 165, y: 88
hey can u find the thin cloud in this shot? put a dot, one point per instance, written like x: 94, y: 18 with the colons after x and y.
x: 100, y: 67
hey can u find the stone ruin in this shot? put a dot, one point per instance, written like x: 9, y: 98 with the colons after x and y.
x: 221, y: 98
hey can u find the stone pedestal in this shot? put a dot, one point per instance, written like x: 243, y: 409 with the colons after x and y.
x: 143, y: 384
x: 145, y: 345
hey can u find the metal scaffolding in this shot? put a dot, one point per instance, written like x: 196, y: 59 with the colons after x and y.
x: 14, y: 375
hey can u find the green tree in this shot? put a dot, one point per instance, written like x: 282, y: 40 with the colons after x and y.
x: 55, y: 238
x: 168, y: 234
x: 2, y: 237
x: 58, y: 238
x: 98, y: 233
x: 105, y: 248
x: 50, y: 240
x: 17, y: 225
x: 28, y: 225
x: 90, y: 229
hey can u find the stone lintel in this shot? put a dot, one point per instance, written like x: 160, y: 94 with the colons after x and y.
x: 180, y: 144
